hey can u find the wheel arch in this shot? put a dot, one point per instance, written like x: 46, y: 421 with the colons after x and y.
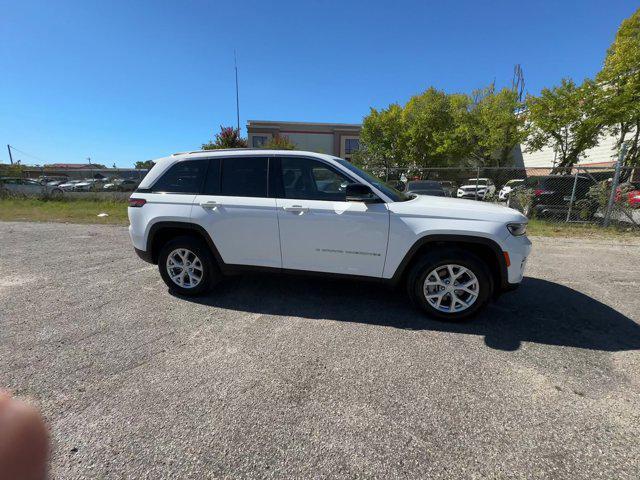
x: 161, y: 232
x: 486, y: 249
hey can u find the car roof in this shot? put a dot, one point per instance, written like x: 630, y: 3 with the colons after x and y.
x: 426, y: 182
x: 224, y: 152
x: 162, y: 164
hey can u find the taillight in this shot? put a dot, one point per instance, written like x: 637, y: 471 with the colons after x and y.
x: 538, y: 191
x: 137, y: 202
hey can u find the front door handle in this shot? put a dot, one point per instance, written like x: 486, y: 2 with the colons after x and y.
x: 209, y: 204
x: 296, y: 209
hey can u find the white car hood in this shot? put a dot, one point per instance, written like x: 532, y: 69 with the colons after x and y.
x: 473, y: 185
x: 445, y: 207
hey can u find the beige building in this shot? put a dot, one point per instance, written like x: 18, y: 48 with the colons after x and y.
x: 339, y: 139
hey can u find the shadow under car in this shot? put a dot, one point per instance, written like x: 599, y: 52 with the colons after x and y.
x: 539, y: 311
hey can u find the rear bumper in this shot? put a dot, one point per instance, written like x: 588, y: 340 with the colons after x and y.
x: 144, y: 255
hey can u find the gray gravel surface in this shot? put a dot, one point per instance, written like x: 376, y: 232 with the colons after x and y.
x: 274, y: 377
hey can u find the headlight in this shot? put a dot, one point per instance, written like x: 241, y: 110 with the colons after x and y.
x: 517, y: 229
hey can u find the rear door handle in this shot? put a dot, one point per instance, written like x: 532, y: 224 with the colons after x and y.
x: 209, y: 204
x: 296, y: 209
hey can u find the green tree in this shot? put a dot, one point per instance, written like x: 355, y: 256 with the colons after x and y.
x: 436, y: 133
x: 228, y: 137
x: 619, y: 79
x: 145, y: 165
x: 383, y: 138
x: 565, y: 118
x: 279, y: 142
x: 436, y: 129
x: 495, y: 126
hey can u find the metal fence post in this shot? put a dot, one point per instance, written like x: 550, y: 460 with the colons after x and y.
x: 573, y: 195
x: 477, y: 180
x: 614, y: 185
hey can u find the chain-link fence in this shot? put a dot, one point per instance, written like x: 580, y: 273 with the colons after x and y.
x: 598, y: 195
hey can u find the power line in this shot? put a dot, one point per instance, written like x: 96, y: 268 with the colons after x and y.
x: 25, y: 153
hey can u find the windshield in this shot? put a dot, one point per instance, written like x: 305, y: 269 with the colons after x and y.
x: 479, y: 181
x: 392, y: 193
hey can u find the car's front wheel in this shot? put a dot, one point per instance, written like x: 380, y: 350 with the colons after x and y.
x: 451, y: 284
x: 187, y: 266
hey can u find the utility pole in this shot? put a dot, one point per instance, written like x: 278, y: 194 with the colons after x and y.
x: 10, y: 156
x: 235, y: 62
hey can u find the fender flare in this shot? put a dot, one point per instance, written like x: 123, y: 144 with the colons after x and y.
x: 200, y: 230
x: 445, y: 238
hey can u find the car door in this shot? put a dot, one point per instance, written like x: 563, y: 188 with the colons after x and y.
x: 31, y: 187
x: 319, y: 230
x: 236, y: 210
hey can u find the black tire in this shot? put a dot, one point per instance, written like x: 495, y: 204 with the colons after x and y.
x: 56, y: 193
x: 429, y: 262
x: 211, y: 274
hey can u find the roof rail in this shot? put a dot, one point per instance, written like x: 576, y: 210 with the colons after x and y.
x: 216, y: 150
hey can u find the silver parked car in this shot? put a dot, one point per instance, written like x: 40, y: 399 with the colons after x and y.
x: 28, y: 187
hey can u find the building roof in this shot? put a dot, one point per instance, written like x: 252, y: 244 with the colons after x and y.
x: 69, y: 165
x: 308, y: 124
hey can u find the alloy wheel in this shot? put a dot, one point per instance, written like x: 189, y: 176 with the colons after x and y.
x: 451, y: 288
x: 184, y: 268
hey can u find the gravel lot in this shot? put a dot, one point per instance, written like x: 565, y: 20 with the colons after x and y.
x: 280, y: 377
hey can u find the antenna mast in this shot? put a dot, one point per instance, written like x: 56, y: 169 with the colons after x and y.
x: 235, y: 62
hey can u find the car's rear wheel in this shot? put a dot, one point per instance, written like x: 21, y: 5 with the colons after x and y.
x: 187, y: 266
x: 450, y: 285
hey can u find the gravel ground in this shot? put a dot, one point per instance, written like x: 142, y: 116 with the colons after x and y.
x: 279, y: 377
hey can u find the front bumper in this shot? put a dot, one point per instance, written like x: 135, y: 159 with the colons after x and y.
x: 144, y: 255
x: 519, y: 249
x: 472, y: 196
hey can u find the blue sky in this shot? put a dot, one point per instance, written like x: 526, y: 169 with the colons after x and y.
x: 122, y: 81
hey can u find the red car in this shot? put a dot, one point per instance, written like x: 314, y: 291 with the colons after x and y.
x: 629, y: 193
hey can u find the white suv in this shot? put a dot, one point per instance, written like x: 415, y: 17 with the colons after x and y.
x: 202, y: 215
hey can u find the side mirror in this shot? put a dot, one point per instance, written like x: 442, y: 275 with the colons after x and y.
x: 357, y: 192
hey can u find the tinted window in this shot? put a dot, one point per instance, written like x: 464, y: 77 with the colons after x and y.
x: 308, y: 179
x: 244, y: 177
x: 390, y: 192
x: 425, y: 184
x: 212, y: 182
x: 183, y: 177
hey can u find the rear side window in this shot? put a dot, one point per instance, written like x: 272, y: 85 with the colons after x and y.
x: 212, y: 183
x: 244, y: 177
x: 183, y: 177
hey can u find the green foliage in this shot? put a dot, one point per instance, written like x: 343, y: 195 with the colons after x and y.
x: 228, y: 137
x: 434, y: 123
x: 145, y: 165
x: 565, y: 118
x: 11, y: 170
x: 279, y: 142
x: 436, y: 129
x: 383, y: 138
x: 619, y: 105
x: 495, y: 126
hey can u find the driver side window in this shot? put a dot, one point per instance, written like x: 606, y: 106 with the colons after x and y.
x: 307, y: 179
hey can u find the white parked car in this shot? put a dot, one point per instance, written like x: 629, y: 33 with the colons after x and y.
x: 69, y: 186
x: 477, y: 188
x: 84, y: 186
x: 508, y: 187
x: 202, y: 215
